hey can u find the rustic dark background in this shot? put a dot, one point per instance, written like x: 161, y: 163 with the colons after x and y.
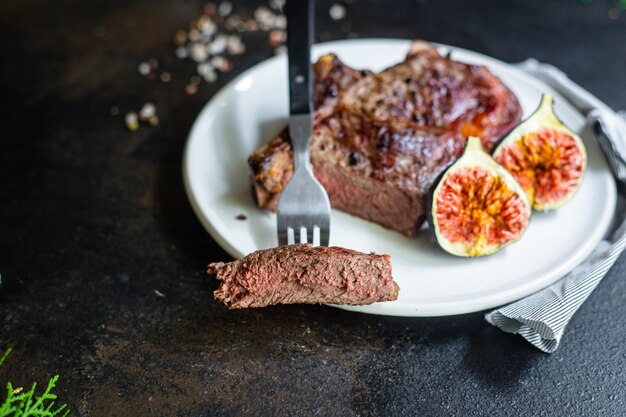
x: 94, y: 219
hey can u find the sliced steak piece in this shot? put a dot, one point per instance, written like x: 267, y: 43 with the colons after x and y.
x: 303, y: 273
x: 380, y: 140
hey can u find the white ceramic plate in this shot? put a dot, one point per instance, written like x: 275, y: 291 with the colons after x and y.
x: 253, y: 108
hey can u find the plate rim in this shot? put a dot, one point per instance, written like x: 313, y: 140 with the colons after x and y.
x: 388, y: 309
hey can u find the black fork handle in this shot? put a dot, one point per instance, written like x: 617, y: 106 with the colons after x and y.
x: 300, y: 24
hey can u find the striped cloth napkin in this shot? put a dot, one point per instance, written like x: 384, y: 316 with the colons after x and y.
x: 542, y: 317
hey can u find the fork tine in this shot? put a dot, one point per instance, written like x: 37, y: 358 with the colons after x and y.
x: 283, y: 226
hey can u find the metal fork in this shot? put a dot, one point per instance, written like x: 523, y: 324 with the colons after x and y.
x: 303, y: 206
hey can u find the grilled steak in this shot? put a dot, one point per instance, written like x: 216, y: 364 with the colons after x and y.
x: 303, y: 273
x: 380, y: 140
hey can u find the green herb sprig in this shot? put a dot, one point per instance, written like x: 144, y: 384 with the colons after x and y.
x: 27, y: 404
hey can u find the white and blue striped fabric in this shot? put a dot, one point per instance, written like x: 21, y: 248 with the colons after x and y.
x: 542, y: 317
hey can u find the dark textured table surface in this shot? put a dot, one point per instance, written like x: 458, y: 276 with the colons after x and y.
x: 94, y: 219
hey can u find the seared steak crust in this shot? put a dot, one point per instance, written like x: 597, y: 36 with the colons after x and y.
x: 380, y: 140
x: 303, y: 273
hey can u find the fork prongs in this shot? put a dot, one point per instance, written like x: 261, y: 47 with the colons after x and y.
x: 314, y: 234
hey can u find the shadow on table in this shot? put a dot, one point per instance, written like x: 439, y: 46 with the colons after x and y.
x: 497, y: 359
x: 448, y: 357
x: 461, y: 343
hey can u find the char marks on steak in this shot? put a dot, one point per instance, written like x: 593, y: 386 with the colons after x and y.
x: 303, y: 273
x: 380, y: 140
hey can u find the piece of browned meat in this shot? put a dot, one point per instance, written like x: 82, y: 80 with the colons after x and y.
x: 380, y: 140
x: 303, y: 273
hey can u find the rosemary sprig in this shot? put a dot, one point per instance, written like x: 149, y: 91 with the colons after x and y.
x: 4, y: 356
x: 27, y: 404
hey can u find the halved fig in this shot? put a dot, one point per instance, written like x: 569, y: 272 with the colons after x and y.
x: 477, y: 207
x: 544, y: 156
